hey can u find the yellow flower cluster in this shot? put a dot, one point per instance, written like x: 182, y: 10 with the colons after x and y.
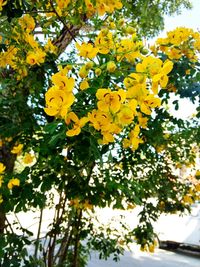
x: 102, y: 6
x: 2, y: 169
x: 78, y: 204
x: 149, y: 247
x: 35, y: 54
x: 193, y: 194
x: 178, y: 43
x: 60, y: 97
x: 127, y: 104
x: 90, y: 7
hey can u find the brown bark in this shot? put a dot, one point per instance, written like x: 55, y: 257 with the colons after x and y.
x: 66, y: 36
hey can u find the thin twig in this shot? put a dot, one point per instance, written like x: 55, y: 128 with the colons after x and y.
x: 64, y: 23
x: 38, y: 234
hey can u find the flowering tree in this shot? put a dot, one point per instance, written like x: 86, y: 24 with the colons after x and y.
x: 88, y: 125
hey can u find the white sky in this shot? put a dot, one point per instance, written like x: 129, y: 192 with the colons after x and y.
x: 188, y: 18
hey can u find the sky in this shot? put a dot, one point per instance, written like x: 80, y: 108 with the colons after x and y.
x: 189, y: 19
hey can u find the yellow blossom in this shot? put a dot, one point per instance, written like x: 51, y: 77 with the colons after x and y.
x: 100, y: 120
x: 58, y: 101
x: 87, y: 50
x: 162, y: 77
x: 188, y: 199
x: 142, y: 121
x: 128, y: 49
x: 84, y: 85
x: 90, y: 8
x: 111, y: 66
x: 35, y: 57
x: 17, y: 149
x: 28, y: 158
x: 125, y: 116
x: 104, y: 41
x: 62, y: 4
x: 77, y: 124
x: 2, y: 3
x: 13, y: 182
x: 63, y: 82
x: 87, y: 205
x: 98, y: 71
x: 110, y: 100
x: 2, y: 168
x: 31, y: 41
x: 49, y: 47
x: 83, y: 72
x: 27, y: 23
x: 149, y: 102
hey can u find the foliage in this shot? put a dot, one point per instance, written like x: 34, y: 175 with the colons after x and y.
x: 85, y: 124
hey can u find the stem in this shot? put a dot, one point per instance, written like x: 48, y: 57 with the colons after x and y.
x: 38, y: 234
x: 64, y: 23
x: 77, y: 239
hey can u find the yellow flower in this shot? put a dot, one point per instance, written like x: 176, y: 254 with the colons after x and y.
x: 174, y: 53
x: 75, y: 202
x: 128, y: 49
x: 150, y: 65
x: 111, y: 66
x: 2, y: 3
x: 107, y: 138
x: 110, y: 100
x: 87, y: 50
x: 142, y: 121
x: 31, y: 41
x: 49, y: 47
x: 104, y: 42
x: 134, y: 139
x: 162, y: 77
x: 100, y: 120
x: 90, y: 8
x: 83, y: 72
x: 35, y: 57
x: 77, y: 124
x: 98, y: 71
x: 2, y: 168
x: 13, y: 182
x: 188, y: 199
x: 87, y: 205
x: 58, y: 102
x: 28, y: 158
x: 197, y: 187
x: 62, y: 3
x: 125, y: 116
x: 27, y: 23
x: 84, y: 85
x: 17, y: 149
x: 149, y: 102
x: 63, y: 82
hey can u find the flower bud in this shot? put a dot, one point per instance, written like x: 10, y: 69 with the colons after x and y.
x: 98, y: 71
x: 83, y: 72
x: 111, y: 67
x: 89, y: 65
x: 130, y: 30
